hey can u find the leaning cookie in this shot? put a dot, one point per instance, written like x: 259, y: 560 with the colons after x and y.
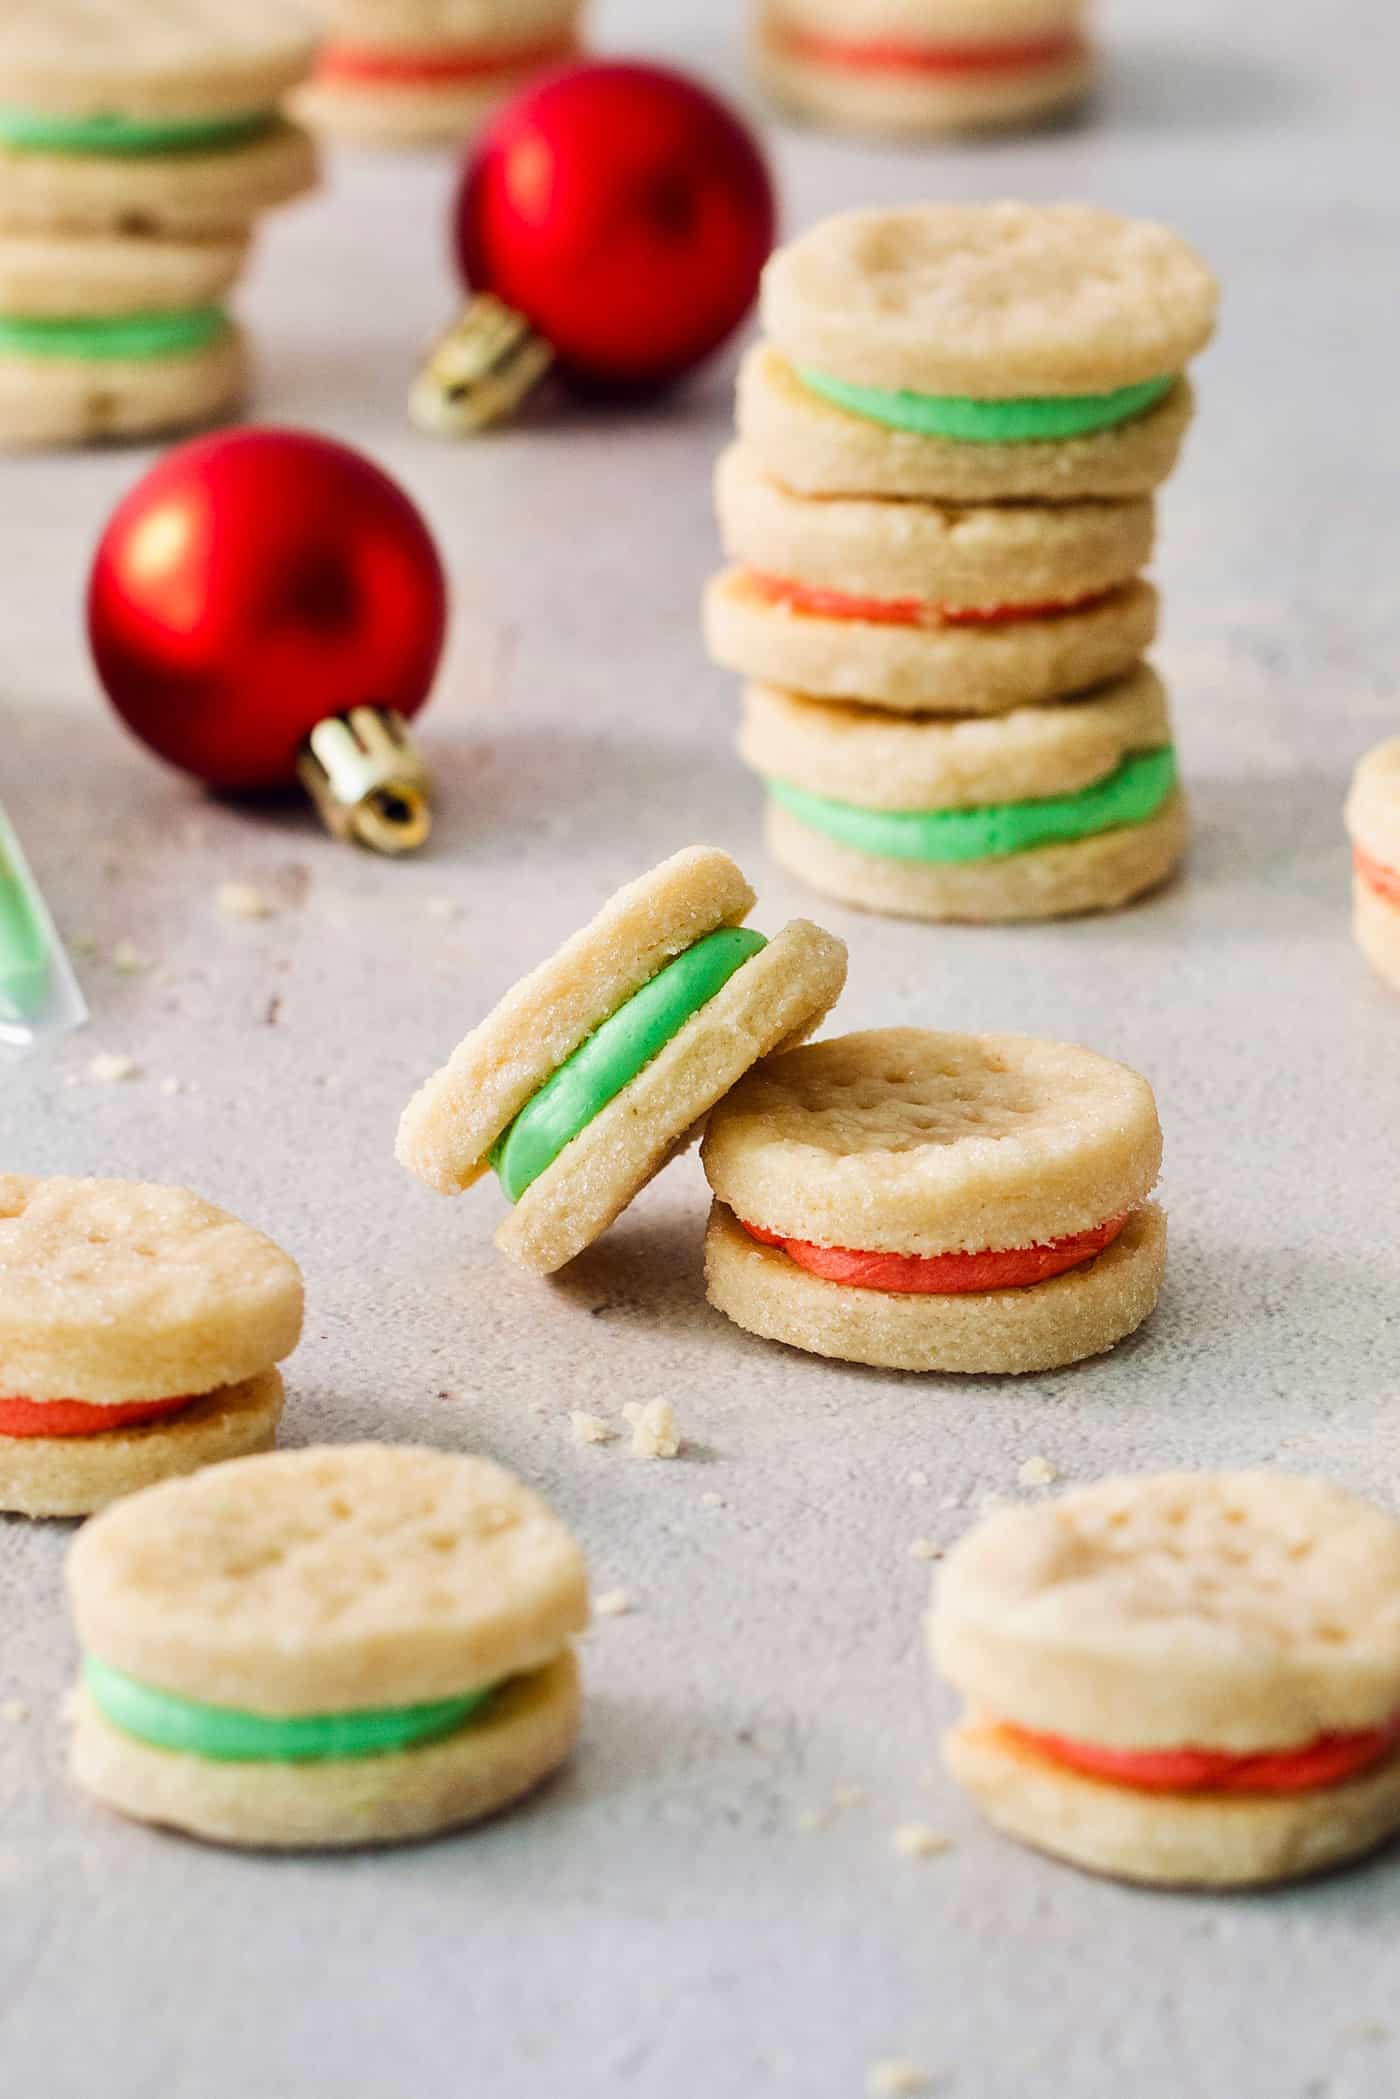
x: 1041, y: 813
x: 597, y: 1068
x: 922, y: 1201
x: 1373, y: 820
x: 139, y: 1327
x: 1189, y: 1680
x: 977, y: 353
x: 326, y: 1648
x: 917, y: 68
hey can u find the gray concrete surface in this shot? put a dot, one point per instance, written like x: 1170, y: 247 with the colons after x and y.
x: 658, y: 1922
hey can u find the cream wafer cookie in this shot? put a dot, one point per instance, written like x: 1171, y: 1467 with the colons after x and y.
x: 923, y: 1201
x: 1184, y: 1679
x: 326, y: 1648
x: 139, y: 1326
x: 601, y: 1064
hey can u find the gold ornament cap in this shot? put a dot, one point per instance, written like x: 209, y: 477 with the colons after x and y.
x: 479, y: 371
x: 368, y: 781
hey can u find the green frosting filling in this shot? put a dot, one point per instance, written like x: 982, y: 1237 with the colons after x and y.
x: 614, y: 1054
x: 32, y: 131
x: 1027, y: 421
x: 128, y: 335
x: 225, y: 1735
x: 1130, y: 795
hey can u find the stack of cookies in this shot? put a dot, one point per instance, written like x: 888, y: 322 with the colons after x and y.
x: 137, y: 148
x: 430, y: 72
x: 939, y: 510
x: 920, y: 67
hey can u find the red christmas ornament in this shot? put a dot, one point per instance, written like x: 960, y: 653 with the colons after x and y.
x: 267, y: 604
x: 622, y: 215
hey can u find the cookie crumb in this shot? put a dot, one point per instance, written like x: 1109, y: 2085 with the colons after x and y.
x: 129, y: 959
x: 110, y: 1068
x: 14, y: 1710
x: 925, y: 1549
x: 654, y: 1431
x: 917, y: 1840
x: 895, y: 2077
x: 849, y: 1796
x: 443, y: 907
x: 711, y: 1500
x: 243, y: 900
x: 916, y: 1478
x: 810, y: 1819
x: 1038, y: 1472
x: 613, y: 1603
x: 590, y: 1428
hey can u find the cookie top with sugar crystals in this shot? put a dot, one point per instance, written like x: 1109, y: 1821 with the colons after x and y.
x: 166, y: 59
x: 329, y: 1580
x: 990, y: 301
x: 1242, y: 1612
x: 126, y: 1290
x: 904, y: 1140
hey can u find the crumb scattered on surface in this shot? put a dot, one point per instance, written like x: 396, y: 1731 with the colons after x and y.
x: 170, y: 1087
x: 109, y: 1067
x: 925, y: 1549
x: 711, y: 1500
x: 810, y: 1819
x: 244, y: 900
x: 444, y: 907
x: 613, y: 1603
x: 83, y: 944
x: 849, y: 1796
x: 1038, y: 1472
x: 654, y: 1431
x: 590, y: 1428
x: 917, y: 1840
x: 129, y: 959
x: 14, y: 1710
x: 917, y: 1478
x: 895, y: 2077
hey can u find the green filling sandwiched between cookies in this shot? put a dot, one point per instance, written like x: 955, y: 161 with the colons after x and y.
x: 1030, y: 419
x: 38, y: 131
x: 135, y: 336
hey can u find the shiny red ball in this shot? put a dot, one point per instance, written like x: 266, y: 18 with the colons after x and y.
x: 252, y: 584
x: 626, y: 213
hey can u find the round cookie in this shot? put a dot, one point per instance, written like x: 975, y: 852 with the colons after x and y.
x: 186, y: 61
x: 65, y: 399
x: 326, y: 1647
x: 991, y: 557
x: 816, y: 447
x: 925, y: 666
x: 600, y: 1064
x: 926, y: 82
x: 190, y: 194
x: 927, y: 1201
x: 1182, y: 1679
x: 65, y: 276
x: 1373, y: 822
x: 147, y: 1320
x: 989, y: 301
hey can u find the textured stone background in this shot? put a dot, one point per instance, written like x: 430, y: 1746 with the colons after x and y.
x: 658, y: 1922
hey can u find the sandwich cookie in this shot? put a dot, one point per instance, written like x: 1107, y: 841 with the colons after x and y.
x: 1373, y: 820
x: 326, y: 1648
x: 139, y: 1327
x: 598, y: 1067
x: 426, y: 72
x: 977, y: 353
x: 134, y: 156
x: 921, y: 1201
x: 1040, y: 813
x: 1190, y: 1680
x: 911, y: 67
x: 921, y: 606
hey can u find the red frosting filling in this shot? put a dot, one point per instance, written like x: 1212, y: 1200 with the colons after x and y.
x: 908, y: 612
x: 891, y: 55
x: 364, y: 62
x: 1385, y: 881
x: 944, y: 1275
x: 75, y: 1417
x: 1323, y: 1762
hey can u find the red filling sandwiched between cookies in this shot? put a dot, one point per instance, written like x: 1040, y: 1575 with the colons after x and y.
x: 1326, y: 1761
x: 892, y: 55
x: 75, y: 1417
x: 364, y: 65
x: 1382, y: 880
x: 944, y: 1275
x: 908, y: 612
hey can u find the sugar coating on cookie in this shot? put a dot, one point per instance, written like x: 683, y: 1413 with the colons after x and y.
x: 1373, y: 822
x: 138, y: 1329
x: 1187, y: 1677
x: 596, y: 1068
x: 329, y: 1646
x: 990, y: 301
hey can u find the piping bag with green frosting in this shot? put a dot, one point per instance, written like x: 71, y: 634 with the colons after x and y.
x: 39, y: 994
